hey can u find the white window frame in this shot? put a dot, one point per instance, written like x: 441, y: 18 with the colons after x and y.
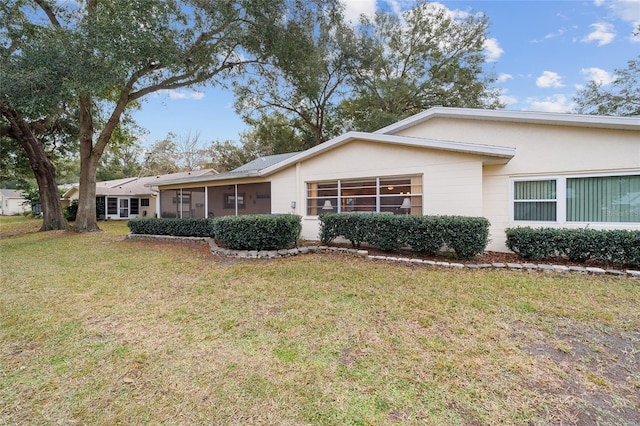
x: 559, y: 192
x: 378, y: 195
x: 561, y: 197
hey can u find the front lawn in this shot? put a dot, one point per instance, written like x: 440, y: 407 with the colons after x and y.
x: 96, y: 329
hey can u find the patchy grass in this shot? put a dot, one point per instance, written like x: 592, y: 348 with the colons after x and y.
x: 96, y: 329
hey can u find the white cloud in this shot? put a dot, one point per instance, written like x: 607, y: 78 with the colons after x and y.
x: 179, y: 94
x: 549, y: 79
x: 598, y: 75
x: 627, y: 10
x: 558, y: 33
x: 503, y: 77
x: 555, y: 103
x: 507, y: 99
x: 354, y: 8
x: 492, y: 49
x: 602, y: 33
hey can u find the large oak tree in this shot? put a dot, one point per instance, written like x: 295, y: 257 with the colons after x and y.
x: 106, y: 55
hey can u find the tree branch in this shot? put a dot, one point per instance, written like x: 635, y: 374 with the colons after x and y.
x: 46, y: 8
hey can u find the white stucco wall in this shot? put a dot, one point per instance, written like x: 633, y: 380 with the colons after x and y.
x: 541, y: 150
x: 11, y: 206
x: 452, y: 182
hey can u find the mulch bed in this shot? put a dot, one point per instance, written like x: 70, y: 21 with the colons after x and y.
x: 488, y: 257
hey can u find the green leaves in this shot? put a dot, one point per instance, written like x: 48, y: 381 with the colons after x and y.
x: 249, y: 232
x: 621, y: 98
x: 424, y: 58
x: 579, y: 245
x: 258, y: 232
x: 467, y: 236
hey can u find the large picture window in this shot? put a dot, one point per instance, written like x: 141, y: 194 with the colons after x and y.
x: 395, y: 195
x: 590, y: 199
x: 603, y: 199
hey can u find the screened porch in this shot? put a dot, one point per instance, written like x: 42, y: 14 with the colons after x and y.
x: 214, y: 201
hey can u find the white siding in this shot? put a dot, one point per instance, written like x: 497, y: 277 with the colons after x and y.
x: 452, y: 182
x: 540, y: 150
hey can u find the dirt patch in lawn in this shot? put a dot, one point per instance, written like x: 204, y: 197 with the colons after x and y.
x: 592, y: 365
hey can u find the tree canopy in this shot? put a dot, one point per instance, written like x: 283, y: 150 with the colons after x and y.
x: 301, y: 75
x: 103, y: 56
x: 303, y: 82
x: 328, y: 77
x: 621, y: 97
x: 423, y: 58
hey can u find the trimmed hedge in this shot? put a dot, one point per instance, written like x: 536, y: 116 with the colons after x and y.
x: 580, y: 245
x: 193, y: 227
x: 467, y: 236
x: 250, y: 232
x: 257, y: 232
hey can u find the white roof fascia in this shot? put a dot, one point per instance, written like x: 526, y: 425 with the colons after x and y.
x: 206, y: 178
x: 487, y: 150
x: 559, y: 119
x: 463, y: 147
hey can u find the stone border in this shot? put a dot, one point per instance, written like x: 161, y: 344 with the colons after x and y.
x: 272, y: 254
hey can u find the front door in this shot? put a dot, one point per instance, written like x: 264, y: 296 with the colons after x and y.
x: 124, y: 207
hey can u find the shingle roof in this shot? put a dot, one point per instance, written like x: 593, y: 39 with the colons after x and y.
x: 140, y: 185
x: 263, y: 162
x: 11, y: 193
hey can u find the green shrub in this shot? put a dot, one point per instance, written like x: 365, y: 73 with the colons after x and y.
x: 192, y: 227
x: 579, y: 245
x: 424, y: 234
x: 384, y: 231
x: 352, y: 226
x: 71, y: 211
x: 257, y: 232
x: 620, y: 246
x: 467, y: 236
x: 531, y: 243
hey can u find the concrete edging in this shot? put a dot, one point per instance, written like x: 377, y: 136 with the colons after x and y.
x: 272, y: 254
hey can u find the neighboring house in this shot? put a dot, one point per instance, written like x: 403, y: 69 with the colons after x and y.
x: 129, y: 198
x: 12, y: 202
x: 514, y: 168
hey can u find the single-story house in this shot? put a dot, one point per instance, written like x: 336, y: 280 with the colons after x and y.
x: 515, y: 168
x: 128, y: 198
x: 12, y: 202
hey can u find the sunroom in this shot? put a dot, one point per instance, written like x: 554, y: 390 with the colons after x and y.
x: 216, y: 200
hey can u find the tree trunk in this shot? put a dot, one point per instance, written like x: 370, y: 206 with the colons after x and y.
x: 86, y: 218
x: 43, y: 169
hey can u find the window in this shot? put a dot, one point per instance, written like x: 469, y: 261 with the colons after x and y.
x: 395, y: 195
x: 591, y: 199
x: 144, y: 202
x: 535, y: 200
x: 112, y: 205
x: 230, y: 201
x: 135, y: 203
x: 603, y: 199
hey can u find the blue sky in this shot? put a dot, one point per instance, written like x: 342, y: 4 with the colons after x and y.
x: 542, y: 51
